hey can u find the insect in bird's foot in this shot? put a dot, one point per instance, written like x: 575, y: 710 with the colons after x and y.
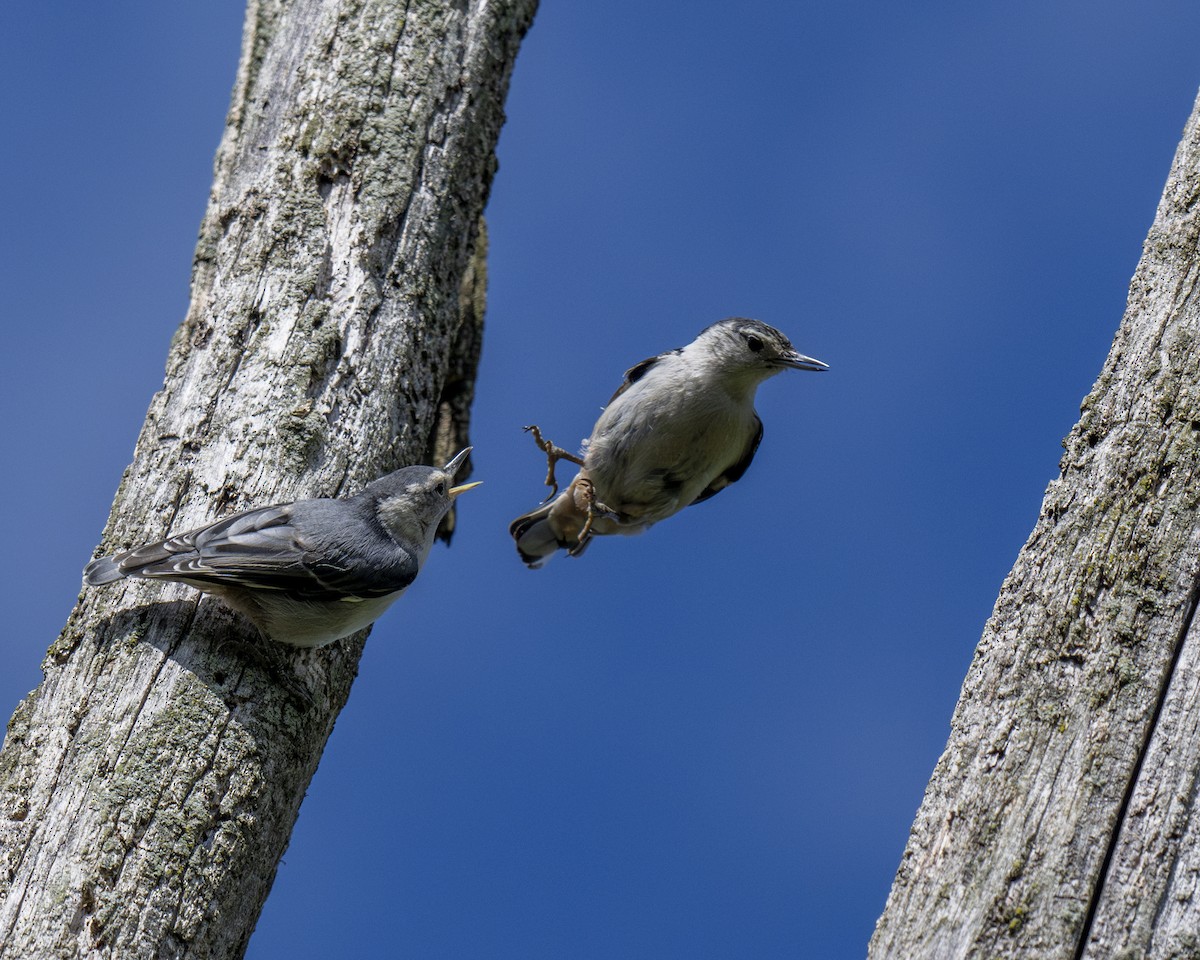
x: 583, y: 493
x: 680, y: 429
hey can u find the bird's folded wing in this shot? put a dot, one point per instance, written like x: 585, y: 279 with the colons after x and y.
x: 734, y: 473
x: 262, y: 549
x: 636, y: 372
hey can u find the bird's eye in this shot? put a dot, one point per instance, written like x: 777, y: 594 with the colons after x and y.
x: 754, y: 343
x: 440, y: 489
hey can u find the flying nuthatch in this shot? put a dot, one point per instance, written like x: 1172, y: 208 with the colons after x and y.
x: 310, y: 572
x: 680, y: 429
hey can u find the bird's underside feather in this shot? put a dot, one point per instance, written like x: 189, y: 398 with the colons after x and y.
x: 735, y: 472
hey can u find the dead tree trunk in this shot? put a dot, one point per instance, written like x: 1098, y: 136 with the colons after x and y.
x: 149, y: 785
x: 1060, y: 820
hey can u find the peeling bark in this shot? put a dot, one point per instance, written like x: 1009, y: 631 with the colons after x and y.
x: 149, y: 785
x: 1059, y: 821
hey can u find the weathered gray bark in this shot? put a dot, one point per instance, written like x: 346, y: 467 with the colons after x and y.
x: 149, y: 785
x: 1060, y: 820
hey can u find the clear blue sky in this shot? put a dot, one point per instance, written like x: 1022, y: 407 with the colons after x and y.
x: 707, y: 742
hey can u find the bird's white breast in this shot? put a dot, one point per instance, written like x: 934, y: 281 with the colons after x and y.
x: 662, y: 441
x: 307, y: 623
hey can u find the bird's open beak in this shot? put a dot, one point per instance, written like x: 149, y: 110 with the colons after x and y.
x: 452, y: 468
x: 798, y: 361
x: 457, y: 461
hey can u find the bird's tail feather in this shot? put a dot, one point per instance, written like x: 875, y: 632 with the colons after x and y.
x: 535, y: 537
x: 102, y: 570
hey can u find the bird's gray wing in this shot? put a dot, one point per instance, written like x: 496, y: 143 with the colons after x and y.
x: 734, y: 473
x: 311, y: 550
x: 636, y: 372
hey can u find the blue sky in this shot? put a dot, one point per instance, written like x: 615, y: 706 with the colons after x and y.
x: 708, y: 741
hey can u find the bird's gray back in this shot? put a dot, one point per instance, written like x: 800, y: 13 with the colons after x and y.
x: 313, y: 550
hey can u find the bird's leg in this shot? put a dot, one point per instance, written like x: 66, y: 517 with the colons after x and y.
x: 584, y: 494
x: 553, y: 454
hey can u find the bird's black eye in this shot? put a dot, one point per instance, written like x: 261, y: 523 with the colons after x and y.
x: 753, y: 342
x: 440, y: 489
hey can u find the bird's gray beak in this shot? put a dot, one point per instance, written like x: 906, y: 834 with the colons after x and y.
x: 457, y: 461
x: 452, y: 468
x: 798, y: 361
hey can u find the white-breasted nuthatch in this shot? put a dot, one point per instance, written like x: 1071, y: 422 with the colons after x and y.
x: 680, y: 429
x: 310, y: 572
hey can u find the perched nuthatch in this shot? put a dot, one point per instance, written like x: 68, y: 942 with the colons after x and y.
x: 310, y: 572
x: 680, y: 429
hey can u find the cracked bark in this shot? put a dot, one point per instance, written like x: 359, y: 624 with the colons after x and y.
x: 149, y: 785
x: 1059, y: 821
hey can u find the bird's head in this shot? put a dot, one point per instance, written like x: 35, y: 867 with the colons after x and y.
x: 411, y: 502
x: 752, y: 350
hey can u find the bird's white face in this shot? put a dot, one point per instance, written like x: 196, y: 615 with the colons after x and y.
x: 413, y: 514
x: 752, y: 350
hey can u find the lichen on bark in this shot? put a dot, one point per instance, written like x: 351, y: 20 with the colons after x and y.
x: 1078, y: 727
x: 149, y: 785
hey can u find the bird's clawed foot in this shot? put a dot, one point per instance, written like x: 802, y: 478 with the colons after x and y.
x: 583, y: 493
x: 553, y: 454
